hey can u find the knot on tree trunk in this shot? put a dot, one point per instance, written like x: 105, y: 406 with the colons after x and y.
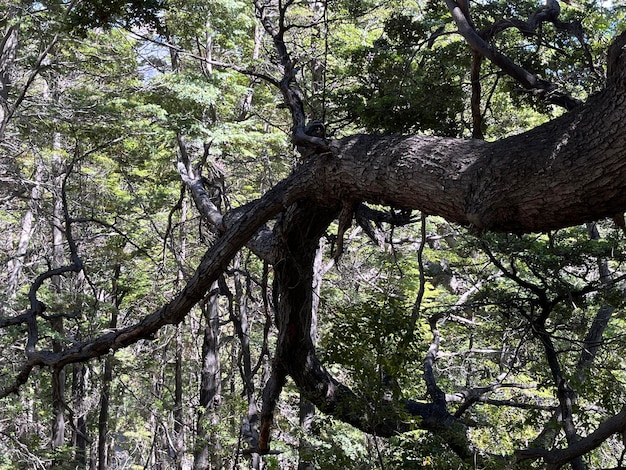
x: 616, y: 62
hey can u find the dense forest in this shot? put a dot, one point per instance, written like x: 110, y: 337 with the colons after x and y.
x: 312, y: 234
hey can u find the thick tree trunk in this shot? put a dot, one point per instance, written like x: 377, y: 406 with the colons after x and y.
x: 300, y: 230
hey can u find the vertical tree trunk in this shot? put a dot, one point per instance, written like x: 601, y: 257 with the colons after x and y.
x: 79, y: 431
x: 242, y: 326
x: 58, y: 260
x: 58, y: 420
x: 103, y: 416
x: 8, y: 52
x: 207, y: 455
x: 28, y: 227
x: 107, y: 376
x: 179, y: 429
x: 179, y: 416
x: 305, y: 450
x: 307, y: 409
x: 293, y: 300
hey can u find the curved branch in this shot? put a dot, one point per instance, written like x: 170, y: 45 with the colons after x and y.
x: 292, y: 95
x: 559, y: 457
x: 242, y: 225
x: 527, y: 79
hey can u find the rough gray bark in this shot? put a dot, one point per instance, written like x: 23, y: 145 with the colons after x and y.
x: 207, y: 450
x: 565, y: 172
x: 29, y: 224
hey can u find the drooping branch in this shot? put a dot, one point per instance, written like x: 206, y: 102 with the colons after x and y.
x: 242, y: 225
x: 555, y: 459
x: 527, y: 79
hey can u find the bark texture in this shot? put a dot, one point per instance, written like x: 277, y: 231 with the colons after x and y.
x: 568, y: 171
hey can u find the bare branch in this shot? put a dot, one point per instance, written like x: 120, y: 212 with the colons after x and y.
x: 292, y: 95
x: 527, y: 79
x: 559, y: 457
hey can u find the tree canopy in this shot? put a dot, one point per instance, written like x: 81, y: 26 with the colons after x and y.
x: 221, y: 216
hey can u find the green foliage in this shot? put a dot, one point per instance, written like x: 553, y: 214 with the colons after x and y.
x: 403, y: 86
x: 99, y: 119
x: 87, y: 15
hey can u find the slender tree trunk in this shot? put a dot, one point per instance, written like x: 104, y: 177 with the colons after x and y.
x: 103, y: 416
x: 58, y: 260
x: 28, y: 228
x: 107, y: 377
x: 161, y: 448
x: 58, y: 407
x: 8, y: 53
x: 207, y: 455
x: 79, y: 431
x: 242, y: 325
x: 594, y: 338
x: 305, y: 450
x: 179, y: 417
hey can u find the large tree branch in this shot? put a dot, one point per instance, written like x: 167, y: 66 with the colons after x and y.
x: 568, y: 171
x: 565, y: 172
